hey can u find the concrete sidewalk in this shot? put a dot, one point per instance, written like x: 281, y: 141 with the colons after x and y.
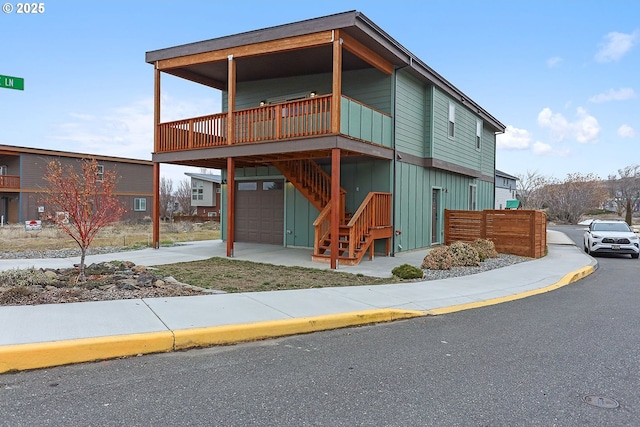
x: 55, y: 334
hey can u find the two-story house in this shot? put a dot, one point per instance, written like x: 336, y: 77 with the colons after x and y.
x: 333, y: 136
x: 505, y: 191
x: 205, y: 194
x: 22, y: 196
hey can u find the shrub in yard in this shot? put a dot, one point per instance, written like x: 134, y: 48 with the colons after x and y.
x: 15, y: 294
x: 24, y: 277
x: 464, y: 255
x: 438, y: 258
x: 406, y: 271
x: 486, y: 249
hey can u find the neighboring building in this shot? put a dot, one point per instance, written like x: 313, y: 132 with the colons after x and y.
x: 21, y: 182
x: 205, y: 194
x: 329, y: 112
x: 505, y: 190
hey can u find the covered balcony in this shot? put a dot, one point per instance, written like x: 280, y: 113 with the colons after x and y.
x: 9, y: 181
x: 298, y: 119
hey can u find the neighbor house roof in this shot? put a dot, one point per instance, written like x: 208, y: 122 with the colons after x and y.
x: 205, y: 177
x: 305, y: 61
x: 505, y: 175
x: 12, y: 150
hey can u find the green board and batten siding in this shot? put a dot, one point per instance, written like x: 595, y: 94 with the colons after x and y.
x: 422, y: 116
x: 412, y: 135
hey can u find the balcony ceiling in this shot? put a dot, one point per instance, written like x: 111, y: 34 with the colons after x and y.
x: 278, y: 65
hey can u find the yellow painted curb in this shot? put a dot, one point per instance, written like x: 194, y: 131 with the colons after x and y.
x: 565, y: 280
x: 229, y: 334
x: 43, y: 355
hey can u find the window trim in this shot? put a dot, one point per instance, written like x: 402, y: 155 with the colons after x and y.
x: 451, y: 125
x: 473, y: 197
x: 138, y: 202
x: 479, y: 126
x: 100, y: 173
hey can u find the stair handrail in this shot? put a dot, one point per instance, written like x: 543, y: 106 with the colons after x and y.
x: 322, y: 226
x: 374, y: 211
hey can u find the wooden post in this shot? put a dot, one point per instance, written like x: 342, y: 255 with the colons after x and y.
x: 336, y: 87
x: 335, y: 206
x: 231, y: 100
x: 156, y: 166
x: 231, y: 192
x: 231, y: 167
x: 156, y: 206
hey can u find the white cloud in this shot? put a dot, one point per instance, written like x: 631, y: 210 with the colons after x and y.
x: 616, y: 45
x: 556, y: 123
x: 553, y: 62
x: 126, y: 131
x: 542, y: 149
x: 514, y: 139
x: 614, y: 95
x: 626, y: 131
x: 585, y: 129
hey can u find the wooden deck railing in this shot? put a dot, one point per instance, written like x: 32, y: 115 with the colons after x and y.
x: 9, y: 181
x: 372, y: 217
x: 295, y: 119
x: 322, y: 227
x: 371, y: 221
x: 197, y: 132
x: 307, y: 117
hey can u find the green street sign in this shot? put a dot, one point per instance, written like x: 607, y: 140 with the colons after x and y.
x: 9, y: 82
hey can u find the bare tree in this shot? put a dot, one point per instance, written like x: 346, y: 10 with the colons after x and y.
x: 528, y: 189
x: 566, y: 201
x: 624, y: 188
x: 87, y: 199
x: 166, y: 196
x: 183, y: 196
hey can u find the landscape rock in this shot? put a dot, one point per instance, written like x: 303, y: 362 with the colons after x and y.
x: 105, y: 281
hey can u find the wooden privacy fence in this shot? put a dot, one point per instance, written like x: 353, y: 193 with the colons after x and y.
x: 516, y: 232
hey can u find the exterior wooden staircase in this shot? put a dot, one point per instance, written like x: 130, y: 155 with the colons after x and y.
x: 357, y: 232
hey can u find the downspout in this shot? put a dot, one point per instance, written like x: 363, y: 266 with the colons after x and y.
x: 395, y: 153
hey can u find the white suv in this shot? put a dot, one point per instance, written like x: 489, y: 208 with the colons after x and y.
x: 611, y: 237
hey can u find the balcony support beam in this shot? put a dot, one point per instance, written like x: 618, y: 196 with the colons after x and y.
x: 156, y: 206
x: 336, y: 206
x: 155, y: 223
x: 366, y: 54
x: 231, y: 192
x: 231, y: 100
x: 274, y: 46
x: 336, y: 84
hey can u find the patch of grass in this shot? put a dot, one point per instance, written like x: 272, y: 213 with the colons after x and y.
x: 246, y: 276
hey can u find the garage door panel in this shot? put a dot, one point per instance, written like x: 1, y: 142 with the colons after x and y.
x: 259, y: 211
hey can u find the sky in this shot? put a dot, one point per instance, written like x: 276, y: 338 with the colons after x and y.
x: 563, y: 76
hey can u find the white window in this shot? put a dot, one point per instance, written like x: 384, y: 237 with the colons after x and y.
x: 100, y: 173
x: 452, y: 120
x: 197, y: 194
x: 472, y: 197
x: 139, y: 204
x: 478, y: 134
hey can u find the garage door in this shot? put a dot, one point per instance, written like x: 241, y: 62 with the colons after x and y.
x: 260, y: 211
